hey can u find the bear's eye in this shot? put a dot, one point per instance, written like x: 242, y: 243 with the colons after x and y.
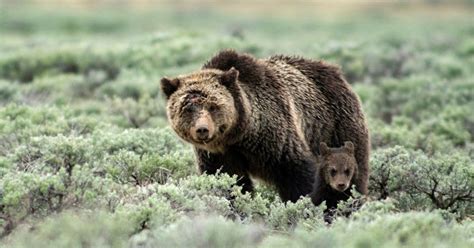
x: 212, y: 108
x: 347, y: 171
x: 333, y: 172
x: 188, y: 109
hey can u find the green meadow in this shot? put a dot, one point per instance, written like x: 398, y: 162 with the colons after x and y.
x: 88, y: 159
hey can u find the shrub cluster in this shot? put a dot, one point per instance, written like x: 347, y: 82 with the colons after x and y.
x: 87, y: 157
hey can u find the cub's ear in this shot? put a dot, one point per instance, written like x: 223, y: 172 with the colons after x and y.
x: 229, y: 77
x: 349, y: 146
x: 169, y: 86
x: 324, y: 149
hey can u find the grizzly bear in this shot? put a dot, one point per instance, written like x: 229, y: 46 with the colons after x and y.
x: 265, y: 118
x: 337, y: 167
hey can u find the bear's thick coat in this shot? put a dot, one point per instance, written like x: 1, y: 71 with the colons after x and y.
x: 265, y: 118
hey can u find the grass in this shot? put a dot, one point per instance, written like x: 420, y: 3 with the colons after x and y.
x: 87, y: 157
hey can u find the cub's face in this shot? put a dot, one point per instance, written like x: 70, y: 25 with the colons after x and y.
x: 200, y: 107
x: 339, y: 166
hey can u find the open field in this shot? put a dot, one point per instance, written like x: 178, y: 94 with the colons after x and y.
x: 87, y: 158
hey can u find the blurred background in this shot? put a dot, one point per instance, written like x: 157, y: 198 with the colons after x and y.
x: 266, y: 27
x: 112, y: 17
x: 87, y: 157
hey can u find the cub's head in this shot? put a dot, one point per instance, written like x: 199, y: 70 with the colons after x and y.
x: 200, y: 106
x: 338, y: 165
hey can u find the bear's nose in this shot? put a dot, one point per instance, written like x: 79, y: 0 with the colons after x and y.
x: 202, y: 133
x: 341, y: 185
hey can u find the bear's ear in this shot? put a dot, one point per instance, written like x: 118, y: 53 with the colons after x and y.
x: 229, y: 77
x: 349, y: 146
x: 324, y: 149
x: 169, y: 86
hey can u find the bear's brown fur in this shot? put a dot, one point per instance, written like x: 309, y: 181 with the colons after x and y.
x: 337, y: 167
x: 265, y: 118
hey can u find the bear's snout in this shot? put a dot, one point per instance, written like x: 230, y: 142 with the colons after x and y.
x: 202, y: 133
x: 203, y: 128
x: 341, y: 186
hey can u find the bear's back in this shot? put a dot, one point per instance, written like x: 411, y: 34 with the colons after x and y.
x: 309, y: 107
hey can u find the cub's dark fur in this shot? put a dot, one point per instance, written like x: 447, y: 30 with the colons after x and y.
x: 337, y: 167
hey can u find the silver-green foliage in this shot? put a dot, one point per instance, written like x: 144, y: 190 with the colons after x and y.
x: 87, y: 157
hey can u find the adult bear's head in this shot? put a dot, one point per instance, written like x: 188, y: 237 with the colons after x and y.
x: 201, y: 106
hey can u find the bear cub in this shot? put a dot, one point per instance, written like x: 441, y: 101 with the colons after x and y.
x: 336, y: 170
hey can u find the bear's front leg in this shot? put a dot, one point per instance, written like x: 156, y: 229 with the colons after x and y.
x: 230, y: 163
x: 318, y: 194
x: 295, y: 178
